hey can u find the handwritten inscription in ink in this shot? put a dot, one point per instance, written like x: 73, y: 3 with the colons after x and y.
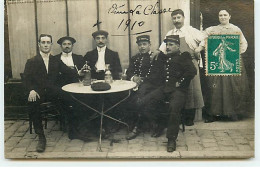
x: 128, y: 23
x: 131, y: 24
x: 139, y: 9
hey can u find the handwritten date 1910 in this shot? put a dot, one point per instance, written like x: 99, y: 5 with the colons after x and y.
x: 128, y: 23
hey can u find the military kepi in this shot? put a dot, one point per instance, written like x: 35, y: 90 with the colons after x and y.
x: 100, y: 32
x: 174, y: 38
x: 66, y: 38
x: 142, y: 38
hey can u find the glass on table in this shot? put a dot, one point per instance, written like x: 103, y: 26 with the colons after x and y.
x: 123, y: 76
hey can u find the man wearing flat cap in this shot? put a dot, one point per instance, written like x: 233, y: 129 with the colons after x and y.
x: 146, y: 72
x: 72, y: 60
x: 99, y: 57
x: 178, y: 72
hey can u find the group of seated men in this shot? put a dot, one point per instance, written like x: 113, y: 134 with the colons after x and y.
x: 44, y: 74
x: 161, y: 77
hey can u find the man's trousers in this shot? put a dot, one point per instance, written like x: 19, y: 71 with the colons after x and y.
x: 176, y: 100
x: 34, y: 108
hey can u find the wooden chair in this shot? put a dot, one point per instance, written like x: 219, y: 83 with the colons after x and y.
x: 49, y: 111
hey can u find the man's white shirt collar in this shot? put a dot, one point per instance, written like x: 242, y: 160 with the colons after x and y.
x: 67, y: 59
x: 44, y: 55
x: 100, y: 65
x: 45, y: 58
x: 175, y: 30
x: 66, y: 54
x: 102, y: 49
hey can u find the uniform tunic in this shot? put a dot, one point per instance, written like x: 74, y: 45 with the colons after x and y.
x: 150, y: 71
x: 178, y: 69
x: 139, y: 65
x: 190, y: 39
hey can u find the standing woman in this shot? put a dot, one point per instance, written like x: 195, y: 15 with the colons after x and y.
x: 229, y: 95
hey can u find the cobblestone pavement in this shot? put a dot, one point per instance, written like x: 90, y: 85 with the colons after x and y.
x: 211, y: 140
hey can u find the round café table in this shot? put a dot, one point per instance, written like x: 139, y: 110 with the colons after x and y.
x: 116, y: 86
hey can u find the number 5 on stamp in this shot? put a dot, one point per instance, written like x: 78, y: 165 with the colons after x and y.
x: 222, y: 55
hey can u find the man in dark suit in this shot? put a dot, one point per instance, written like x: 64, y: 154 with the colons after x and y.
x: 179, y: 71
x: 69, y: 58
x: 41, y: 82
x: 72, y: 110
x: 99, y: 57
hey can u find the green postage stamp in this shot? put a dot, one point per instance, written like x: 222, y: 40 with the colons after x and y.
x: 222, y: 55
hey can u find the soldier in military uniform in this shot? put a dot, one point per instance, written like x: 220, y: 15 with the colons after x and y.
x: 146, y: 72
x: 179, y: 71
x: 140, y: 63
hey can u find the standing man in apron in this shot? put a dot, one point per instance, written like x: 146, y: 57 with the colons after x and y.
x: 192, y: 41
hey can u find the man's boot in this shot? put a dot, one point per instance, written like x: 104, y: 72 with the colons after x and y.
x: 41, y: 144
x: 189, y: 116
x: 133, y: 134
x: 171, y: 146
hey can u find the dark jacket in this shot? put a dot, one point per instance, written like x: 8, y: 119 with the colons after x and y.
x: 139, y: 65
x: 111, y: 58
x: 36, y: 77
x: 155, y: 75
x: 66, y: 79
x: 178, y: 68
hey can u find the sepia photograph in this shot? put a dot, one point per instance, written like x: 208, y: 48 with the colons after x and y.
x: 129, y: 79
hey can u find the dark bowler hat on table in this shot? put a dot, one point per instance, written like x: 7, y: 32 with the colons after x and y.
x: 66, y: 38
x: 173, y: 38
x: 143, y: 38
x: 100, y: 32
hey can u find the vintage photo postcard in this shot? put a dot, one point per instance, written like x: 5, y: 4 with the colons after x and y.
x: 129, y: 79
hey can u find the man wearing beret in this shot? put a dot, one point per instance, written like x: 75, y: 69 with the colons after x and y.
x: 99, y: 57
x: 146, y: 72
x: 74, y: 62
x: 69, y: 58
x: 40, y: 79
x: 179, y: 71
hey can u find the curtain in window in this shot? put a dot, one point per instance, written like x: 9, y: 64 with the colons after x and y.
x: 78, y: 18
x: 22, y: 38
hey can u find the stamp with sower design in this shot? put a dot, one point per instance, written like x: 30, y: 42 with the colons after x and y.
x: 223, y: 55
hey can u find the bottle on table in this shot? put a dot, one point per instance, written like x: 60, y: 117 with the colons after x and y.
x: 87, y: 76
x: 108, y: 74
